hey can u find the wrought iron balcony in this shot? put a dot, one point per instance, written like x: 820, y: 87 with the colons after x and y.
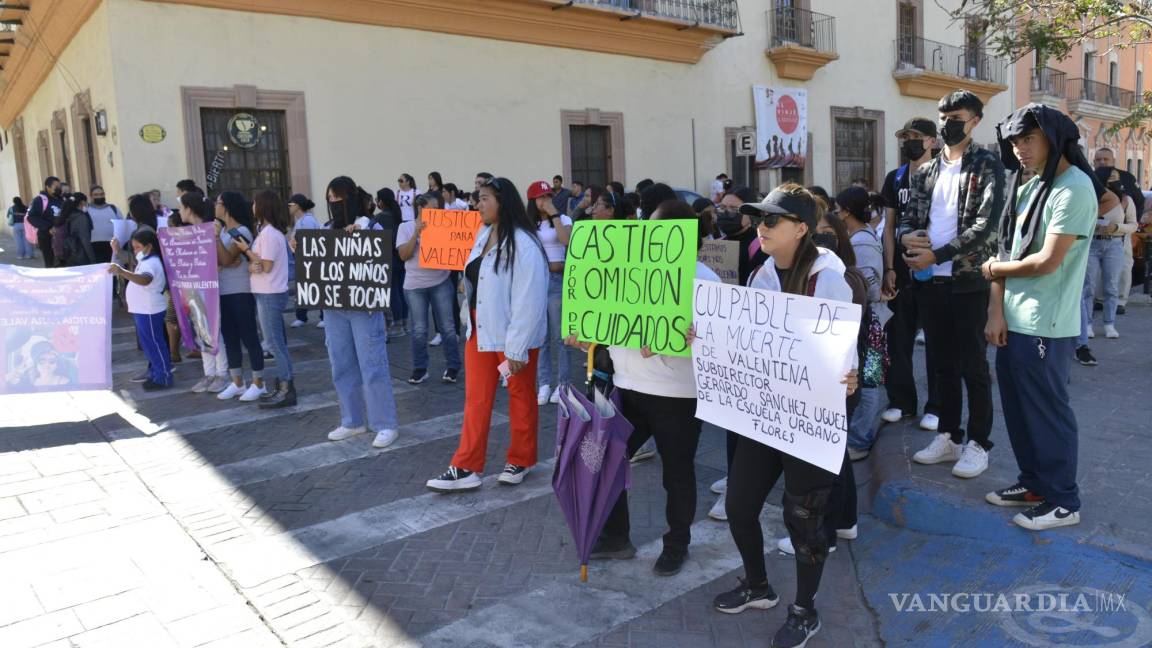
x: 1102, y: 93
x: 793, y: 26
x: 718, y: 14
x: 1048, y: 82
x: 963, y: 62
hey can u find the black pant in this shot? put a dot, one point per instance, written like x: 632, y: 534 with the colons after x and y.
x: 673, y: 423
x: 239, y: 329
x: 103, y: 251
x: 755, y: 470
x: 44, y: 242
x: 842, y: 502
x: 954, y: 333
x: 901, y: 381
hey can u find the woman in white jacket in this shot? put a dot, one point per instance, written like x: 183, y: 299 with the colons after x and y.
x: 785, y: 222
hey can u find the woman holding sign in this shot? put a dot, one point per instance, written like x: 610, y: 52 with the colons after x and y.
x: 785, y: 223
x: 553, y: 229
x: 195, y: 210
x: 506, y: 283
x: 238, y: 324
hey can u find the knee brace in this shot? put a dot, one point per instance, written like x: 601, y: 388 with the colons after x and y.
x: 804, y: 517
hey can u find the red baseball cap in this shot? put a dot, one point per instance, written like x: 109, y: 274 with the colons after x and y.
x: 539, y: 188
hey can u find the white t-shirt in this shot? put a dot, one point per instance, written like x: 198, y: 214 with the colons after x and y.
x: 457, y: 204
x: 550, y: 239
x: 416, y: 277
x: 271, y: 245
x: 943, y: 218
x: 717, y: 188
x: 150, y: 299
x: 405, y: 198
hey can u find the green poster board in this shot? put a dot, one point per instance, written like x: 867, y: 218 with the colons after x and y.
x: 629, y: 283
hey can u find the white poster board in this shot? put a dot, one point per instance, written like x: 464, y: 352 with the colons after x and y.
x: 768, y: 366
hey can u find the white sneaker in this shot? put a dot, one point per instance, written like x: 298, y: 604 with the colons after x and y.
x: 847, y: 534
x: 930, y: 422
x: 203, y: 384
x: 232, y: 391
x: 555, y: 399
x: 1046, y: 516
x: 341, y: 433
x: 297, y: 323
x: 785, y: 544
x: 720, y: 486
x: 219, y: 384
x: 454, y: 480
x: 513, y: 475
x: 973, y: 461
x: 320, y: 324
x: 436, y: 341
x: 384, y: 438
x: 1091, y: 332
x: 253, y: 392
x: 1110, y: 332
x: 939, y: 451
x: 892, y: 415
x: 543, y: 394
x: 920, y: 337
x: 718, y: 511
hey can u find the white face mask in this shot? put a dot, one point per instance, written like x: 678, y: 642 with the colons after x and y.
x: 140, y: 256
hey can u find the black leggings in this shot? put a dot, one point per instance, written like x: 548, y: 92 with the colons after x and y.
x: 755, y: 470
x: 239, y: 329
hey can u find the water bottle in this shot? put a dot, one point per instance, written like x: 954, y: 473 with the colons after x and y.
x: 923, y: 275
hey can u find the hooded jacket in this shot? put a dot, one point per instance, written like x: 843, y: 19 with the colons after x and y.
x: 1064, y: 139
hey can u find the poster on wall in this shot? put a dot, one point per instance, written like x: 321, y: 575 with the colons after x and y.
x: 55, y: 328
x: 781, y: 126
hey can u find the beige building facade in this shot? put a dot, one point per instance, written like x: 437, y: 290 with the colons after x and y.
x: 286, y: 94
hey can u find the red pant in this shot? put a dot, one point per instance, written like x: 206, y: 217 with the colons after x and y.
x: 481, y: 379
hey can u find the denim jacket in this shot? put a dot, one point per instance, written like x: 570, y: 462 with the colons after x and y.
x: 512, y: 304
x: 983, y: 194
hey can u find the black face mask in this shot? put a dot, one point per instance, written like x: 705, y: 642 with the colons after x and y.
x: 339, y: 214
x: 57, y: 192
x: 826, y: 240
x: 99, y: 201
x: 912, y: 149
x: 952, y: 131
x: 729, y: 222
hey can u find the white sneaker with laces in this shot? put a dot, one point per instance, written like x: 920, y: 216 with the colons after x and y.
x: 341, y: 433
x: 1110, y: 332
x: 232, y: 391
x: 850, y: 533
x: 720, y: 486
x: 203, y: 384
x: 513, y: 475
x: 1046, y: 516
x: 555, y: 399
x: 297, y: 323
x: 544, y: 393
x: 718, y: 511
x: 320, y: 324
x: 384, y: 438
x: 436, y: 341
x: 973, y: 461
x: 1091, y: 332
x: 941, y: 450
x: 219, y: 384
x: 892, y: 415
x: 253, y: 392
x: 930, y: 422
x: 785, y: 545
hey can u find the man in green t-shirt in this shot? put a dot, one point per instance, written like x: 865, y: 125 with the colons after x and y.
x: 1034, y: 310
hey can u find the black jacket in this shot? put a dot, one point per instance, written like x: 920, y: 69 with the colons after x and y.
x: 1132, y: 188
x: 40, y: 218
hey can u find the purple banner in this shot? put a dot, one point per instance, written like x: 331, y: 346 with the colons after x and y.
x: 55, y: 328
x: 190, y: 263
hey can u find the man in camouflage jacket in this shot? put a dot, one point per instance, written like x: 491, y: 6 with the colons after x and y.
x: 949, y: 228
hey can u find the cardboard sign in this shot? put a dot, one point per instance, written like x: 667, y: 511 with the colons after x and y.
x: 55, y: 328
x: 768, y: 366
x: 629, y: 283
x: 448, y: 238
x: 337, y: 270
x: 193, y: 279
x: 723, y: 257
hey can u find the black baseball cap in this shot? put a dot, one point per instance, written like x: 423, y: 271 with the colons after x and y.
x: 920, y: 126
x: 782, y: 202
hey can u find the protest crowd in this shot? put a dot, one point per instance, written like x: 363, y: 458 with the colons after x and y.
x: 968, y: 246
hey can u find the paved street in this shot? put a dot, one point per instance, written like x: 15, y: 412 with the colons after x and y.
x: 174, y: 519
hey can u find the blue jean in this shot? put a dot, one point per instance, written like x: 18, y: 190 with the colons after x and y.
x: 357, y: 344
x: 442, y: 298
x: 23, y: 247
x: 270, y: 309
x: 865, y: 421
x: 1041, y: 423
x: 150, y: 330
x: 554, y: 347
x: 1105, y: 262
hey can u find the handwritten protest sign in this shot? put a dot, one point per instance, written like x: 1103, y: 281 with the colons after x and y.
x: 190, y: 264
x: 448, y: 238
x: 723, y: 257
x: 55, y: 328
x: 337, y: 270
x: 768, y: 366
x: 629, y: 283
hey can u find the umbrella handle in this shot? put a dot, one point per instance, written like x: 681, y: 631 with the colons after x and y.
x: 591, y: 356
x: 583, y: 573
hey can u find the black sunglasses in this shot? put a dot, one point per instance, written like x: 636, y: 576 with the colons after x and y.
x: 771, y: 220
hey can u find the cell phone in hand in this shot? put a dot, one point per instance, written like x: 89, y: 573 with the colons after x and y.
x: 504, y: 369
x: 237, y: 235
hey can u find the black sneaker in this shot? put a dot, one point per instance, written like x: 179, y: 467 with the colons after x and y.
x: 802, y: 625
x: 154, y: 386
x: 1084, y: 356
x: 1120, y: 310
x: 512, y: 475
x: 450, y: 376
x: 612, y: 551
x: 1046, y: 516
x: 744, y: 597
x: 1015, y: 495
x: 418, y: 376
x: 454, y: 480
x: 670, y: 562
